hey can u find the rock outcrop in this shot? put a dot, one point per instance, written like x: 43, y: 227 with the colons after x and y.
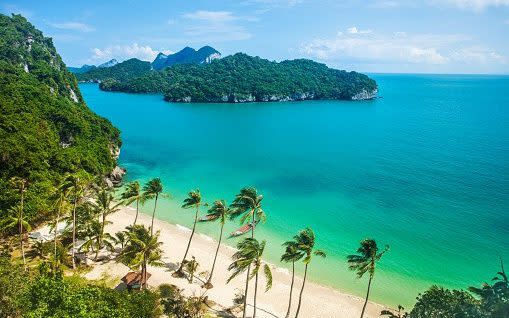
x: 114, y: 179
x: 364, y: 95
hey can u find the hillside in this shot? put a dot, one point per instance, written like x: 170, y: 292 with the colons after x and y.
x: 46, y: 128
x: 243, y: 78
x: 126, y: 70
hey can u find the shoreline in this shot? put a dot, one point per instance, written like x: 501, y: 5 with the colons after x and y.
x: 318, y: 300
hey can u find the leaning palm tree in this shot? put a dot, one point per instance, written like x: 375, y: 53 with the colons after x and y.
x: 152, y: 190
x: 142, y: 249
x: 292, y: 254
x: 21, y: 184
x: 365, y: 262
x: 250, y: 252
x: 75, y: 184
x: 248, y: 205
x: 193, y: 200
x: 132, y: 194
x: 305, y: 242
x: 218, y: 211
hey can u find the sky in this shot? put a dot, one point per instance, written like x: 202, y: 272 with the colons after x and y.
x: 376, y: 36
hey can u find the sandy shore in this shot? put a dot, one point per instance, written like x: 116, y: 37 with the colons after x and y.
x: 318, y: 301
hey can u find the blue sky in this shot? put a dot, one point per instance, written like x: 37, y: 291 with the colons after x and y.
x: 427, y: 36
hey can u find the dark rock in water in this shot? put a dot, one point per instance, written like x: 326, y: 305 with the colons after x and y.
x: 114, y: 179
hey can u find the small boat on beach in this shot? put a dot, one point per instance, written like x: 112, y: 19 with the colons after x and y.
x: 243, y: 230
x: 208, y: 218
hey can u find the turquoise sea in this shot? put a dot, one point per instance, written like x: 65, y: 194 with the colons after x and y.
x: 424, y: 169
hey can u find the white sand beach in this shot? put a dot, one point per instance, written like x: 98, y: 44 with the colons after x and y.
x: 318, y: 301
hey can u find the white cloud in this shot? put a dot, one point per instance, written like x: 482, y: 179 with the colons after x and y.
x: 217, y: 26
x: 478, y: 55
x: 123, y: 52
x: 211, y: 16
x: 475, y: 5
x: 354, y: 30
x: 74, y: 26
x: 400, y: 48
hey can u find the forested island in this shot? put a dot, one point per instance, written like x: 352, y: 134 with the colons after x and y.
x: 237, y: 78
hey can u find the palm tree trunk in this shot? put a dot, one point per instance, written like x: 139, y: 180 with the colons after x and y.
x: 291, y: 290
x: 245, y: 292
x: 144, y: 274
x: 55, y: 240
x: 367, y: 296
x: 179, y: 271
x: 21, y: 226
x: 74, y: 232
x: 102, y: 231
x: 301, y: 291
x: 253, y: 223
x: 153, y: 216
x: 136, y: 217
x: 255, y: 293
x: 208, y: 284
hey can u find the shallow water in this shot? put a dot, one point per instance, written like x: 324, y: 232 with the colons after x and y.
x: 424, y: 169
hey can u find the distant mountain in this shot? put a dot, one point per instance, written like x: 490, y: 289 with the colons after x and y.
x: 187, y: 55
x: 242, y: 78
x: 133, y: 68
x: 120, y: 72
x: 85, y: 68
x: 79, y: 70
x: 110, y: 63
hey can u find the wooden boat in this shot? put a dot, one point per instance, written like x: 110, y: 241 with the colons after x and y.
x: 208, y: 218
x: 242, y: 230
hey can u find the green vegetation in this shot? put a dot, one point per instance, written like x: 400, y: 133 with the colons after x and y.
x: 49, y: 294
x: 243, y: 78
x: 126, y: 70
x: 45, y: 127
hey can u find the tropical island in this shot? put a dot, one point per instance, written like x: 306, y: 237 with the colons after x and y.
x: 67, y: 225
x: 202, y: 76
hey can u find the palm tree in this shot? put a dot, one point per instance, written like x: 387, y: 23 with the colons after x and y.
x: 75, y: 184
x: 131, y: 194
x: 250, y: 252
x: 292, y: 254
x: 365, y: 262
x: 21, y: 184
x: 60, y: 199
x: 142, y: 249
x: 15, y: 220
x: 305, y: 242
x: 193, y: 200
x: 97, y: 239
x: 218, y: 211
x: 103, y: 207
x: 248, y: 203
x: 152, y: 190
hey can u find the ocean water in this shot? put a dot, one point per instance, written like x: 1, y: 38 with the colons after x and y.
x: 424, y: 169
